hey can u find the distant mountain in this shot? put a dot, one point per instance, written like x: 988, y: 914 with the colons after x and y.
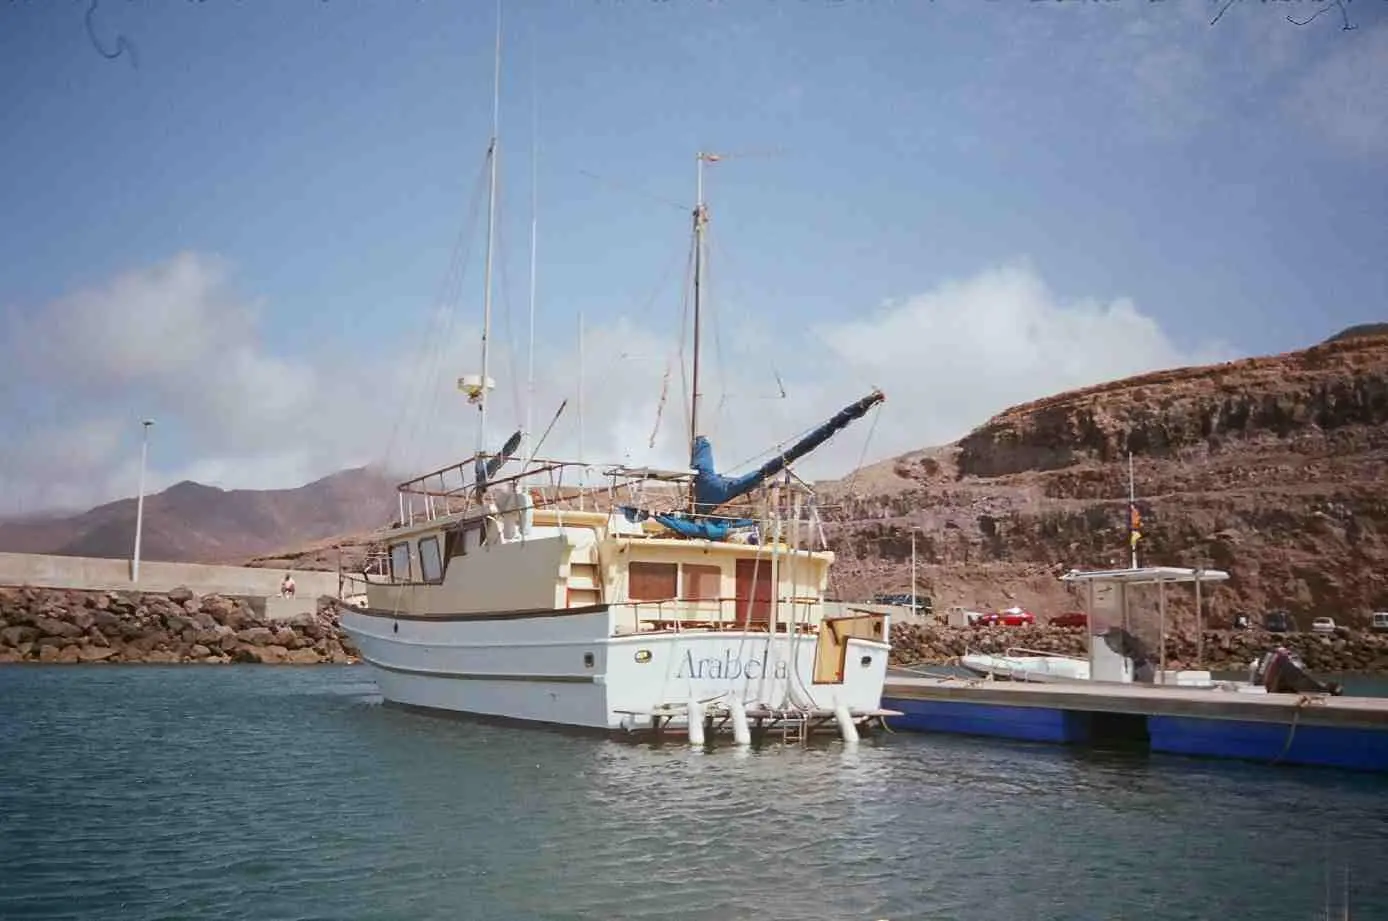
x: 1362, y: 331
x: 190, y: 522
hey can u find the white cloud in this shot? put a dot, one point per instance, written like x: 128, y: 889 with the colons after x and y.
x: 178, y: 338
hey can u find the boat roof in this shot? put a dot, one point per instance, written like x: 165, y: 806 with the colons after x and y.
x: 1146, y: 575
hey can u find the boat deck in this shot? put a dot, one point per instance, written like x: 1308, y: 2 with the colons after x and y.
x: 1316, y: 729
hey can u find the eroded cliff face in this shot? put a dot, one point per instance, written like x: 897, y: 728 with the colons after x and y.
x: 1275, y: 469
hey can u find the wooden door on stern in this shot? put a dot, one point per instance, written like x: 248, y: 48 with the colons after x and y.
x: 754, y: 592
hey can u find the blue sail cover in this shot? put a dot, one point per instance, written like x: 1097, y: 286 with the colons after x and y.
x: 712, y: 489
x: 706, y: 528
x: 700, y: 528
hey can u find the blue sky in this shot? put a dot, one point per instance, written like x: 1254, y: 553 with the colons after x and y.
x: 244, y: 228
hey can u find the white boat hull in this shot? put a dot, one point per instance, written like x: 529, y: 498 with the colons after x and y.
x: 569, y: 669
x: 1052, y: 669
x: 1026, y: 668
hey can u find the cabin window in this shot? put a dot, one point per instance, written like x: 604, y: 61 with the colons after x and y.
x: 430, y: 563
x: 400, y: 562
x: 652, y: 581
x: 702, y: 583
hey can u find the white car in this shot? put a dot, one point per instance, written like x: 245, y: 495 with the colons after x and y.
x: 1322, y: 625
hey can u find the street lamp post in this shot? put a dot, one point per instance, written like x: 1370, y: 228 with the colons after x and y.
x: 915, y: 608
x: 140, y: 502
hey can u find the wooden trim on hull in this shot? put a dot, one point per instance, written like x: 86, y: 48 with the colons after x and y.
x: 386, y: 614
x: 482, y: 676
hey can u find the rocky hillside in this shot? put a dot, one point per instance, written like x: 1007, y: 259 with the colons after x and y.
x: 1275, y: 469
x: 190, y: 522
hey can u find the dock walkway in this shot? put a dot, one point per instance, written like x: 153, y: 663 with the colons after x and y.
x: 1349, y: 732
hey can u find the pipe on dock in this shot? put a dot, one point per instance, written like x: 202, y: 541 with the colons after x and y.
x: 696, y: 722
x: 846, y: 727
x: 742, y: 733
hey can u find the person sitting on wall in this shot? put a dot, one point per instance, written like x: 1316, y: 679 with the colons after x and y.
x: 287, y: 586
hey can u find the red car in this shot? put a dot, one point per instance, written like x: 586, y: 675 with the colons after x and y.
x: 1012, y: 617
x: 1072, y: 619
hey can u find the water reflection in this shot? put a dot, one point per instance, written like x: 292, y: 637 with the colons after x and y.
x: 294, y: 793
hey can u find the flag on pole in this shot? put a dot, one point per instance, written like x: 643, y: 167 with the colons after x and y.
x: 1134, y: 525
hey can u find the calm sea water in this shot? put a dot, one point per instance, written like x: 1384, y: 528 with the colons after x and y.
x: 132, y: 792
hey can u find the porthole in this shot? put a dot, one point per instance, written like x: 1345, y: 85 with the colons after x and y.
x: 587, y: 660
x: 865, y: 661
x: 643, y: 655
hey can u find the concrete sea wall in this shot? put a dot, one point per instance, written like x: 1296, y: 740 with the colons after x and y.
x: 93, y: 574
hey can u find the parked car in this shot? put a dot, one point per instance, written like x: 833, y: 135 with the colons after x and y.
x: 1323, y: 625
x: 922, y: 603
x: 1378, y: 620
x: 1278, y: 622
x: 1012, y: 617
x: 1071, y: 619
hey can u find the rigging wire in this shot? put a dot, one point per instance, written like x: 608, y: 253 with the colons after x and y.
x: 645, y: 310
x: 506, y: 314
x: 736, y: 272
x: 684, y: 329
x: 438, y: 323
x: 443, y: 344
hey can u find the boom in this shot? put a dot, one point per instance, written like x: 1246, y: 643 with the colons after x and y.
x: 712, y: 489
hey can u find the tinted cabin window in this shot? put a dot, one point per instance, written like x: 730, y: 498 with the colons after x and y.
x: 652, y: 581
x: 453, y: 543
x: 702, y: 583
x: 430, y: 564
x: 400, y: 562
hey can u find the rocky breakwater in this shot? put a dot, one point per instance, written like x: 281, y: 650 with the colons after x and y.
x: 922, y: 644
x: 43, y: 625
x: 1222, y: 650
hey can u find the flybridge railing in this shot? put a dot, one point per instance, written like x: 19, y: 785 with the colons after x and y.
x: 452, y: 489
x: 780, y: 507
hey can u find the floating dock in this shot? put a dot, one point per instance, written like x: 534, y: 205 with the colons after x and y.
x: 1306, y: 729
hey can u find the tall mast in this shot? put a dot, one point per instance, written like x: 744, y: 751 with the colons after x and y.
x: 700, y: 221
x: 534, y: 195
x: 913, y: 570
x: 491, y: 233
x: 582, y: 455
